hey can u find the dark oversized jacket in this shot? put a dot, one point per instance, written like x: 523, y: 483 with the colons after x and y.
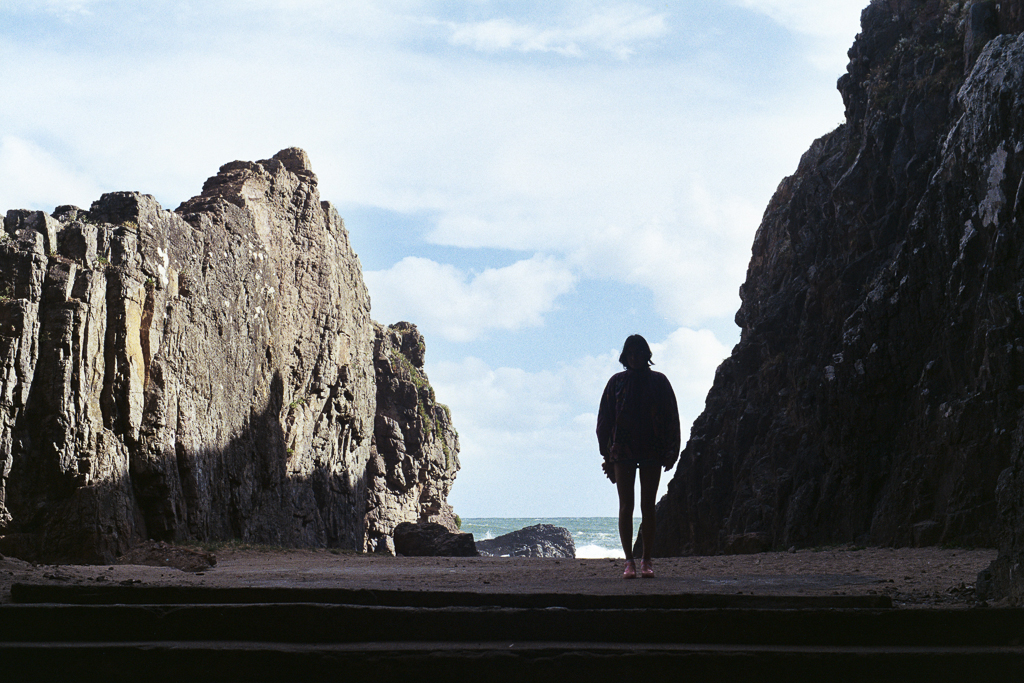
x: 638, y: 418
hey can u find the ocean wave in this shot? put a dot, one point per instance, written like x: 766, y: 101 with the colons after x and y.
x: 596, y: 552
x: 595, y: 537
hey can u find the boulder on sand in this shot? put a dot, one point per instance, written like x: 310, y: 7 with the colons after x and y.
x: 428, y: 539
x: 540, y: 540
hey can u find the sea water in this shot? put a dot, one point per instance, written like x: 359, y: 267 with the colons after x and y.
x: 594, y: 536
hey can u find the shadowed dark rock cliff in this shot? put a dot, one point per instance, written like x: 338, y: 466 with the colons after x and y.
x: 205, y: 374
x: 879, y: 380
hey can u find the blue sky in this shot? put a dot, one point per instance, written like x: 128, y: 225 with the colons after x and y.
x: 528, y: 182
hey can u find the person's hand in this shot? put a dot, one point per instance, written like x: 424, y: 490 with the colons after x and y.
x: 609, y: 470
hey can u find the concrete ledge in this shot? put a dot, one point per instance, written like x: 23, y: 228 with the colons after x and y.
x: 498, y: 662
x: 167, y: 595
x: 316, y: 623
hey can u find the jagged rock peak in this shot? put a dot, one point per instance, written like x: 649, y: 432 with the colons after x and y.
x: 280, y: 190
x: 295, y: 160
x: 404, y: 338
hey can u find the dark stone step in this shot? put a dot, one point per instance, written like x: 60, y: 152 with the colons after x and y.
x: 166, y: 595
x: 325, y: 623
x: 496, y: 662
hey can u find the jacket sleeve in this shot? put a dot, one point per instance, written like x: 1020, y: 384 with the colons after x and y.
x: 606, y: 419
x: 673, y: 437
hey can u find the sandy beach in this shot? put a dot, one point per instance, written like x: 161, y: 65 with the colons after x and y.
x: 911, y: 577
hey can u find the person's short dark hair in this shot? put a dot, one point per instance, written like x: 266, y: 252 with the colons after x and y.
x: 635, y: 342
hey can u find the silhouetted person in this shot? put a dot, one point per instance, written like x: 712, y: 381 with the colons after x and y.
x: 637, y: 427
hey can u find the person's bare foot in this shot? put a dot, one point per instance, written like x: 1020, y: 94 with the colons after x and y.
x: 630, y: 572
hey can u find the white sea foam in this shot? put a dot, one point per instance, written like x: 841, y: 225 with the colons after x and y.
x: 593, y: 552
x: 594, y: 537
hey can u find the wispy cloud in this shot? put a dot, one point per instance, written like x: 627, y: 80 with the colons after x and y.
x: 812, y: 17
x: 617, y: 29
x: 830, y: 23
x: 61, y: 8
x: 32, y: 178
x: 463, y: 306
x: 690, y: 358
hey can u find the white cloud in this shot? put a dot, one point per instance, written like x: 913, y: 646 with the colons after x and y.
x: 61, y: 8
x: 32, y: 178
x: 527, y: 435
x: 832, y: 24
x: 688, y: 270
x: 615, y: 29
x: 462, y: 306
x: 642, y: 188
x: 492, y: 399
x: 689, y: 358
x: 813, y: 17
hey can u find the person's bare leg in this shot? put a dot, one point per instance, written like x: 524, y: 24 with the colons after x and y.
x: 650, y: 476
x: 625, y: 479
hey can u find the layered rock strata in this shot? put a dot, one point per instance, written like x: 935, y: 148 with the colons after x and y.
x: 206, y: 373
x: 415, y: 449
x: 879, y: 380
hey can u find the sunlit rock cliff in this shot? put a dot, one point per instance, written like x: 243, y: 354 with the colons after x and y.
x: 202, y: 374
x: 877, y: 389
x: 415, y: 452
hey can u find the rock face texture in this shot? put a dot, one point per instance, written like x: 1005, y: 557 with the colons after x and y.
x: 414, y: 454
x: 539, y: 540
x: 879, y: 380
x: 429, y: 539
x: 207, y: 373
